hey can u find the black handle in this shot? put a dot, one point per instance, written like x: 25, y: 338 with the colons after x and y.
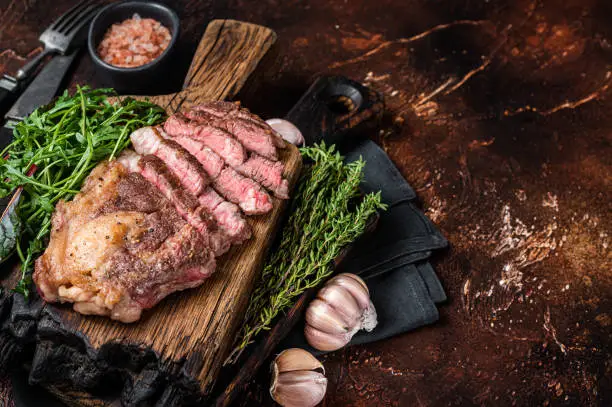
x: 26, y: 71
x: 8, y: 93
x: 333, y: 107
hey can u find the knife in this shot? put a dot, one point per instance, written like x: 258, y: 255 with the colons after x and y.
x: 40, y: 92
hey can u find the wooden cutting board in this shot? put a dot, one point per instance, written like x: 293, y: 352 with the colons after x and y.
x: 172, y: 355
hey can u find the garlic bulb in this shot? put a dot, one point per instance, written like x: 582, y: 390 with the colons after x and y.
x: 287, y: 131
x: 342, y: 307
x: 298, y: 379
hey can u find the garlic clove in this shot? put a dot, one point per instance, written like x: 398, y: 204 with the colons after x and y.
x: 298, y: 379
x: 325, y: 341
x: 321, y: 316
x: 355, y: 278
x: 342, y: 301
x: 296, y: 359
x: 302, y: 388
x: 287, y: 131
x: 356, y: 286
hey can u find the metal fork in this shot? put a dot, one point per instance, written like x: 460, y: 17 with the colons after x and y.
x: 62, y: 35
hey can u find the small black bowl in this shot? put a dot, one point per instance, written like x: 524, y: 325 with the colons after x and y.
x: 143, y: 79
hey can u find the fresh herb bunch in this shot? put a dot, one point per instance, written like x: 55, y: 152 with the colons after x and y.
x: 63, y: 142
x: 322, y: 222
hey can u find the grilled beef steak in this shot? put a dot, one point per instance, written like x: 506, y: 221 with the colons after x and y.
x: 153, y: 221
x: 157, y: 173
x: 251, y: 136
x: 149, y: 141
x: 224, y: 165
x: 120, y: 247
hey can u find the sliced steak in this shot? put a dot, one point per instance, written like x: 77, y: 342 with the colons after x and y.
x: 234, y: 187
x: 227, y: 215
x: 212, y: 163
x: 229, y: 110
x: 244, y: 192
x: 154, y: 171
x: 267, y: 173
x: 252, y: 137
x: 113, y: 253
x: 148, y: 224
x: 180, y: 262
x: 218, y: 140
x: 264, y: 171
x: 149, y: 141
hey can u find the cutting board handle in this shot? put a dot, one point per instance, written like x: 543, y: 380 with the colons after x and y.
x: 228, y: 53
x: 229, y: 46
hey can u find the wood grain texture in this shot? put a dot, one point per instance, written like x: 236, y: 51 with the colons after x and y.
x: 172, y: 355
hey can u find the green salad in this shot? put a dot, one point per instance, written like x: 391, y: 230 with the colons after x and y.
x: 53, y: 151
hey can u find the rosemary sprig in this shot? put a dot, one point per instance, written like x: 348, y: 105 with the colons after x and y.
x: 63, y: 142
x: 322, y: 222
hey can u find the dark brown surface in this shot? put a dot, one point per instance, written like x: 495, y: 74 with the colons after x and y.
x: 499, y: 116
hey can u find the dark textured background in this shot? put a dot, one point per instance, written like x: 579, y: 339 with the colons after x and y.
x: 499, y: 116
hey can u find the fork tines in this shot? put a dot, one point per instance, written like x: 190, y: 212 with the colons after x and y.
x: 73, y: 19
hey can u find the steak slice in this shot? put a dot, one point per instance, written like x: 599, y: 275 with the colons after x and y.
x: 179, y: 263
x: 227, y: 215
x: 229, y: 110
x: 218, y: 140
x: 114, y: 253
x: 267, y: 173
x: 149, y: 141
x: 244, y: 192
x: 212, y: 163
x: 254, y: 138
x: 154, y: 171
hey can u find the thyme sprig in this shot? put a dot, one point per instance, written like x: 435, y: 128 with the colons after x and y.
x: 63, y: 142
x: 323, y: 221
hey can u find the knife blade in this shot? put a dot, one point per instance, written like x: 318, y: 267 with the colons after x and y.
x: 43, y: 88
x: 40, y: 92
x: 9, y: 89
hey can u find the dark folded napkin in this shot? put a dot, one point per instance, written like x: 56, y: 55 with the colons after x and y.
x: 393, y: 258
